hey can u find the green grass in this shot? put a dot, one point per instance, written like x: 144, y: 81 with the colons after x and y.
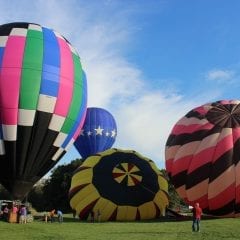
x: 219, y: 229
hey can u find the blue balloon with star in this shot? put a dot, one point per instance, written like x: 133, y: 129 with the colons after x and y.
x: 98, y: 133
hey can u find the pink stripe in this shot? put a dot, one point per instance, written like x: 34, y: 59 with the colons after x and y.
x: 203, y: 201
x: 211, y: 154
x: 170, y: 152
x: 224, y: 102
x: 237, y: 182
x: 9, y: 116
x: 13, y: 53
x: 202, y: 109
x: 80, y: 126
x: 180, y: 129
x: 201, y: 159
x: 66, y: 80
x: 222, y: 147
x: 10, y: 78
x: 222, y: 198
x: 236, y: 134
x: 181, y: 164
x: 237, y: 200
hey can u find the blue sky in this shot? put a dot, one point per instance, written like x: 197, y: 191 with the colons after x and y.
x: 148, y: 62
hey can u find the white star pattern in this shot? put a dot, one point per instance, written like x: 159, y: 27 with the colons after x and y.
x: 113, y: 133
x: 99, y: 130
x: 89, y: 133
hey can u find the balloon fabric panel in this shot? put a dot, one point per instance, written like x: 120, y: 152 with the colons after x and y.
x: 51, y: 64
x: 208, y: 172
x: 98, y: 133
x: 10, y: 83
x: 41, y: 75
x: 104, y: 182
x: 81, y: 109
x: 120, y: 194
x: 65, y: 85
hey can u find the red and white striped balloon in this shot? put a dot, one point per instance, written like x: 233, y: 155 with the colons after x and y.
x: 203, y: 154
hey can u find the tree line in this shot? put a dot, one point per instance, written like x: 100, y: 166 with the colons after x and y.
x: 52, y: 192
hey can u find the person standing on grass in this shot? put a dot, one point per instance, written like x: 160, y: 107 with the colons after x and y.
x: 45, y: 217
x: 60, y: 216
x: 5, y: 213
x: 14, y: 209
x: 197, y: 214
x: 52, y: 214
x: 23, y: 214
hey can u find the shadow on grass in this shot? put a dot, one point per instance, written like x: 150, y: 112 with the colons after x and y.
x: 70, y: 219
x: 65, y: 219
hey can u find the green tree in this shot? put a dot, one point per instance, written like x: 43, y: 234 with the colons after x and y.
x: 53, y: 194
x: 4, y: 194
x: 175, y: 201
x: 36, y: 196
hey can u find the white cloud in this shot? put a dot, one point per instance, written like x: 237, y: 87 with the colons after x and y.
x: 220, y: 75
x: 144, y: 115
x: 145, y: 123
x: 111, y: 80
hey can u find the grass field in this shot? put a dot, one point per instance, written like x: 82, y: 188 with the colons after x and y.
x: 219, y: 229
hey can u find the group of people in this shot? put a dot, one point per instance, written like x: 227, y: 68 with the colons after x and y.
x: 19, y: 213
x: 51, y: 216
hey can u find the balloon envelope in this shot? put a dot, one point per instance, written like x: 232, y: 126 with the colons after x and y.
x: 122, y: 185
x: 42, y: 102
x: 203, y: 154
x: 98, y: 133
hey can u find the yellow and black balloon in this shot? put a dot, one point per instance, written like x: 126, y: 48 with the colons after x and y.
x: 121, y: 185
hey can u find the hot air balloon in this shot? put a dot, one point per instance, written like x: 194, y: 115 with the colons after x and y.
x: 98, y: 133
x: 203, y: 154
x: 121, y: 185
x: 42, y: 103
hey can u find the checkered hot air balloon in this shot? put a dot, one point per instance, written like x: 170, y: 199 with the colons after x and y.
x: 121, y: 185
x: 42, y: 102
x: 203, y: 154
x: 98, y: 133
